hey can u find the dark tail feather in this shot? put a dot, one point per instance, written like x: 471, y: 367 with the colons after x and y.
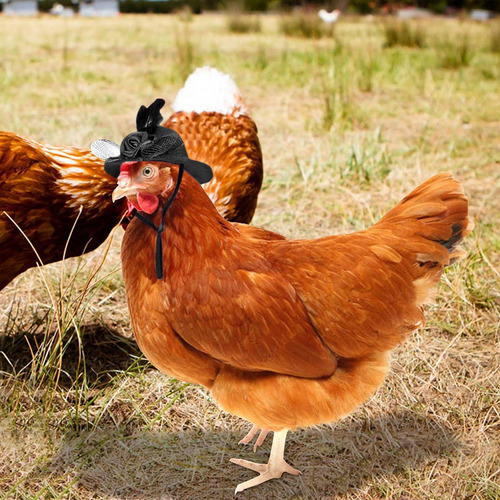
x: 433, y: 220
x: 429, y: 224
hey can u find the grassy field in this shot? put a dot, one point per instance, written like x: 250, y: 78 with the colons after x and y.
x: 349, y: 122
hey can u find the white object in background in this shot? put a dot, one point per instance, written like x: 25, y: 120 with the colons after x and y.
x: 480, y: 14
x: 21, y: 8
x: 100, y: 8
x: 413, y: 13
x: 61, y: 11
x: 329, y: 17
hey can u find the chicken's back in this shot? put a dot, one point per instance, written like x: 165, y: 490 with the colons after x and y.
x: 214, y: 122
x: 364, y: 291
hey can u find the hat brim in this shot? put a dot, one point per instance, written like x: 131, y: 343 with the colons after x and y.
x: 197, y: 169
x: 112, y: 166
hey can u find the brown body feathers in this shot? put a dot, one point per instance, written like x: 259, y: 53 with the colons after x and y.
x: 287, y: 333
x: 230, y: 145
x: 43, y: 189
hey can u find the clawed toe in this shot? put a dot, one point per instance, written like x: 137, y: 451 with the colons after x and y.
x: 266, y: 472
x: 288, y: 468
x: 260, y: 439
x: 249, y: 465
x: 248, y: 438
x: 252, y: 482
x: 276, y: 465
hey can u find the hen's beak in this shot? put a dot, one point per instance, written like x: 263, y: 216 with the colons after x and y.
x: 123, y: 189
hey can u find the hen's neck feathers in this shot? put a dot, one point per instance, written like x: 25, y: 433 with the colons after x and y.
x: 192, y: 222
x: 194, y: 232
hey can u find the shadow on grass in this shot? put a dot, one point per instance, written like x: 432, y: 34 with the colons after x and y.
x: 129, y: 462
x: 194, y: 464
x: 105, y: 352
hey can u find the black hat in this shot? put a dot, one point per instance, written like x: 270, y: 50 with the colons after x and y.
x: 151, y: 142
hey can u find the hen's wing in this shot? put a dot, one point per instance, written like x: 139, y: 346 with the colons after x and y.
x: 217, y: 129
x: 238, y: 311
x: 364, y: 291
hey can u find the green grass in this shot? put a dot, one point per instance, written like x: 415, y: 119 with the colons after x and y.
x: 348, y: 126
x: 241, y: 23
x: 455, y: 54
x: 495, y: 37
x: 403, y: 33
x: 305, y: 25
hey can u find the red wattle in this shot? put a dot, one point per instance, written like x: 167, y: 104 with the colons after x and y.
x: 147, y: 202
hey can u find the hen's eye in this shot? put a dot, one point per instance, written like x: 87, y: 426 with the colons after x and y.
x: 147, y: 171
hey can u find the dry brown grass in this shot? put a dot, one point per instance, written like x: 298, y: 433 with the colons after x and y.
x: 103, y: 423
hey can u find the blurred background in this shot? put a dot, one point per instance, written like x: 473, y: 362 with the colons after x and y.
x: 477, y: 9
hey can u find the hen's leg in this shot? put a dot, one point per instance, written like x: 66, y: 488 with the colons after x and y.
x: 251, y: 434
x: 274, y: 467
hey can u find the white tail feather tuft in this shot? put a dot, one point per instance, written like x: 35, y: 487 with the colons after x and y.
x: 207, y: 89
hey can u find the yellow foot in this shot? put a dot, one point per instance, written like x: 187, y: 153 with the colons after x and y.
x: 251, y: 434
x: 266, y: 472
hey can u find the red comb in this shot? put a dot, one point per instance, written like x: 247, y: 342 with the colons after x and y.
x: 126, y: 166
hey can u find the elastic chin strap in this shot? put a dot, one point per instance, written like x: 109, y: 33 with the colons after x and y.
x: 159, y: 230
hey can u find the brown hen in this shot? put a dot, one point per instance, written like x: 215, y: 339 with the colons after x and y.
x: 285, y: 334
x: 43, y: 188
x: 217, y: 129
x: 44, y: 192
